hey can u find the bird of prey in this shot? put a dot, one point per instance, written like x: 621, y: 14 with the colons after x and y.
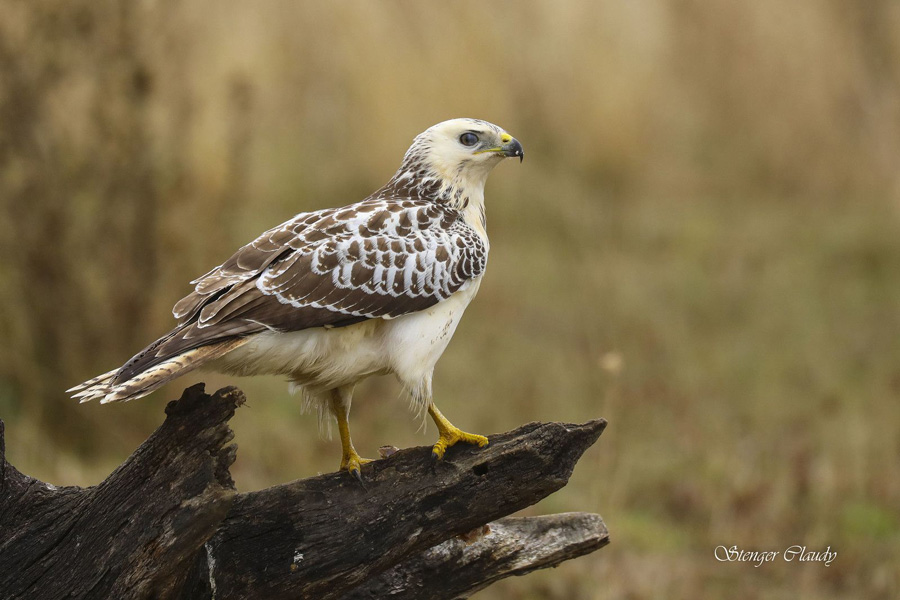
x: 333, y: 296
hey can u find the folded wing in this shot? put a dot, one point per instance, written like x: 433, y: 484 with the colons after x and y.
x: 330, y: 268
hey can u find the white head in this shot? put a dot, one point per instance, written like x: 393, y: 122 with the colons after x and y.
x: 453, y: 158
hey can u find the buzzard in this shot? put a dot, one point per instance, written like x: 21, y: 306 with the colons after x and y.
x: 333, y: 296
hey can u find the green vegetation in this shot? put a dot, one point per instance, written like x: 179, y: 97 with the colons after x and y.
x: 703, y: 246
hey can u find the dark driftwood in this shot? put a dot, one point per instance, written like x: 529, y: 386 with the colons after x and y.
x: 167, y: 523
x: 514, y: 546
x: 130, y: 536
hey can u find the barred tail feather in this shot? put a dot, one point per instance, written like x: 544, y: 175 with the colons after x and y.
x: 93, y: 388
x: 106, y: 389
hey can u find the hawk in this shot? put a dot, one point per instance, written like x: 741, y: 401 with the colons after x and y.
x: 333, y: 296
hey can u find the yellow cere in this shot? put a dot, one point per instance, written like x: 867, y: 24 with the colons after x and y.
x: 505, y: 138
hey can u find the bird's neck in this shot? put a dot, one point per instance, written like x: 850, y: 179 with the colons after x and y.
x: 473, y: 213
x: 458, y: 188
x: 463, y: 195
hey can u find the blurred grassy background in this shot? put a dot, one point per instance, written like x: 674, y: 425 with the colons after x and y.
x: 702, y: 247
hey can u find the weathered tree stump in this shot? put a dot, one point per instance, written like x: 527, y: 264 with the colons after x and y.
x: 514, y: 546
x: 168, y: 523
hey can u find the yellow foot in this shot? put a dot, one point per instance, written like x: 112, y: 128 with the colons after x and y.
x: 451, y: 436
x: 352, y: 462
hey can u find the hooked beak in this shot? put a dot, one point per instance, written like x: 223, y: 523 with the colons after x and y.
x: 513, y: 148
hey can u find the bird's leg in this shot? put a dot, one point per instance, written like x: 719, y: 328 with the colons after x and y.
x: 450, y: 434
x: 350, y: 459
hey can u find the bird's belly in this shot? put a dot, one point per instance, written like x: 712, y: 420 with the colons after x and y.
x: 321, y: 359
x: 317, y: 358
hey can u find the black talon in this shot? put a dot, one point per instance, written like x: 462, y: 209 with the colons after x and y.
x: 358, y: 475
x: 434, y: 461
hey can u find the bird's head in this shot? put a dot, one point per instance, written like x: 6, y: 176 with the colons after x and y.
x: 454, y: 157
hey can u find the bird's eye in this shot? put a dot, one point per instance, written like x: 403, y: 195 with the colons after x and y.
x: 468, y: 139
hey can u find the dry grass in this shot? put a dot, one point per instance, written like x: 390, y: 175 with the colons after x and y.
x: 702, y: 247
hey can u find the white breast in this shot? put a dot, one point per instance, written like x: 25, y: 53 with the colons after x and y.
x: 416, y: 341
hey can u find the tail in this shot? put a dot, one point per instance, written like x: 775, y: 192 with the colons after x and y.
x: 110, y: 387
